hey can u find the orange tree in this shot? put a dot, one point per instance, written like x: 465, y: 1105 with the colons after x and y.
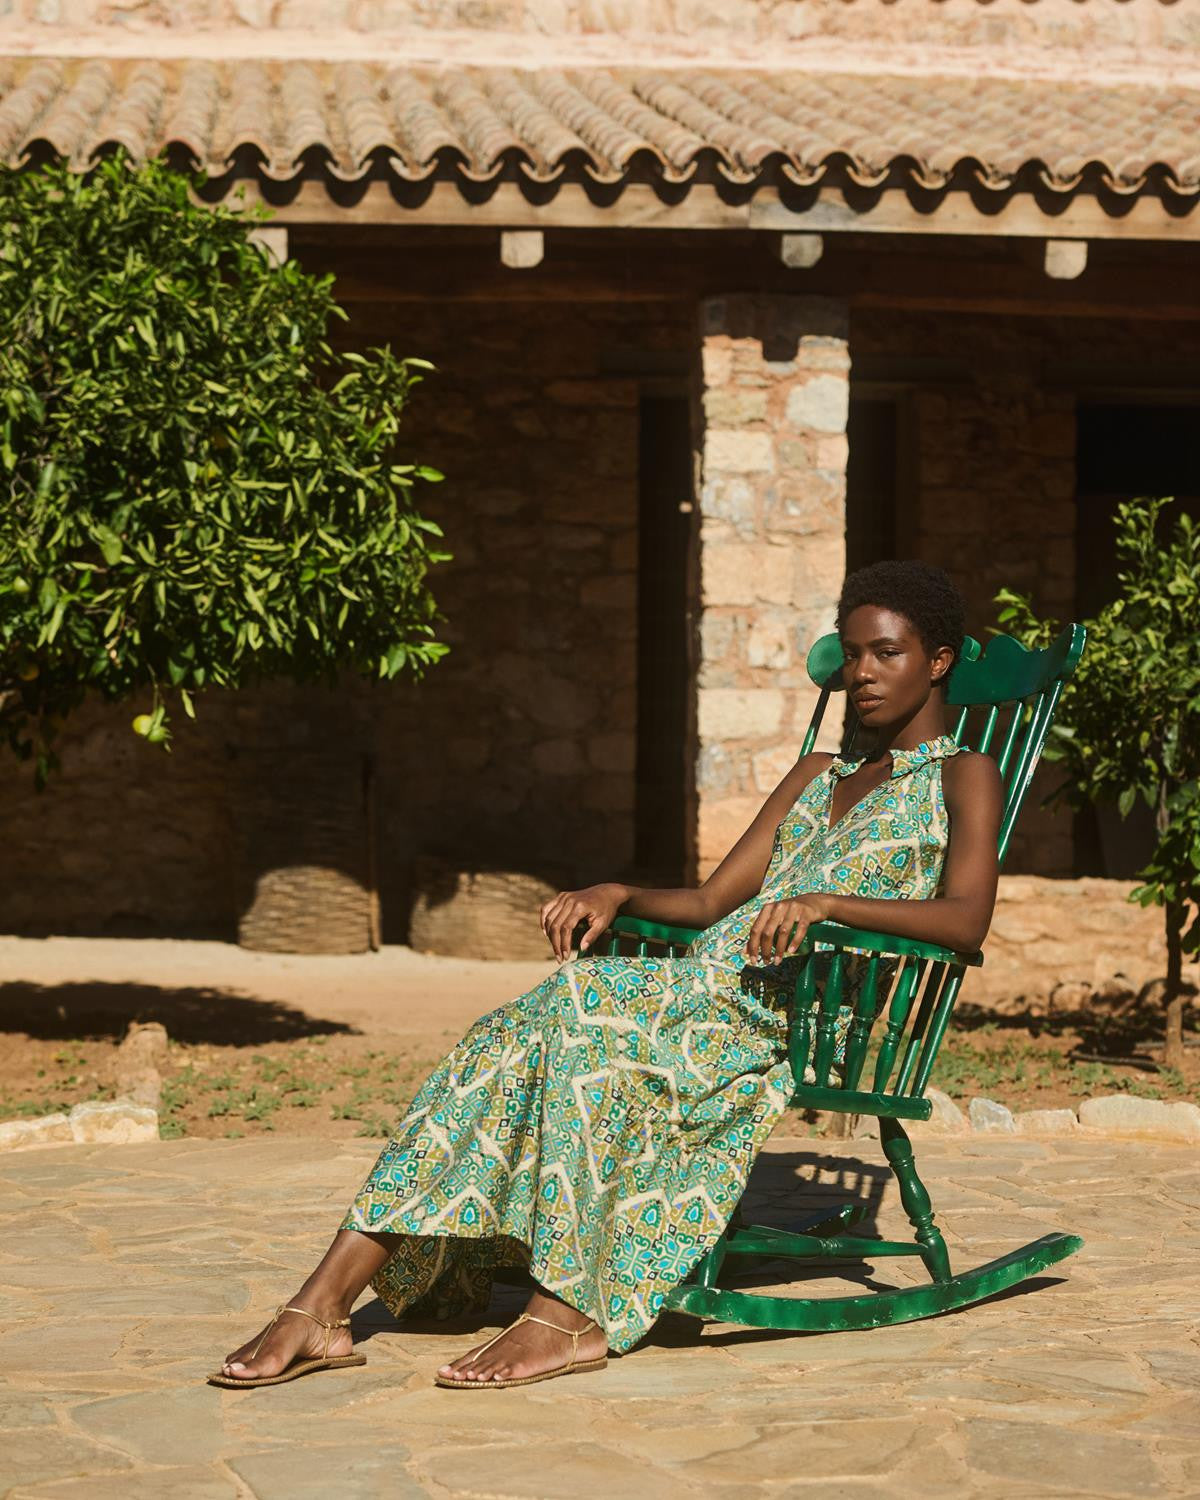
x: 1128, y: 727
x: 197, y: 491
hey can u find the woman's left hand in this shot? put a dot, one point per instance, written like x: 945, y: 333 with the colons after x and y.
x: 780, y: 927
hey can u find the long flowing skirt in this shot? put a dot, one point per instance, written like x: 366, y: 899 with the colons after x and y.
x: 598, y: 1131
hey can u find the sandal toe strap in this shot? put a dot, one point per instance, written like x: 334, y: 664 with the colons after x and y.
x: 572, y: 1333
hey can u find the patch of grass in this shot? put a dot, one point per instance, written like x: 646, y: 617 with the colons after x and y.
x: 254, y: 1103
x: 171, y: 1130
x: 270, y: 1069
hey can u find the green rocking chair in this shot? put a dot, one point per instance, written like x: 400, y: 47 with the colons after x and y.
x: 899, y: 1016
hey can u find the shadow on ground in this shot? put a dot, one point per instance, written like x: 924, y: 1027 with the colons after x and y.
x: 71, y: 1012
x: 1118, y: 1024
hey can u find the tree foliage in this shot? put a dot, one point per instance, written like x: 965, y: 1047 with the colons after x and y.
x: 1128, y: 727
x: 197, y: 491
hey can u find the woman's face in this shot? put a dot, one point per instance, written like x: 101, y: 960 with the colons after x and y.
x: 889, y: 672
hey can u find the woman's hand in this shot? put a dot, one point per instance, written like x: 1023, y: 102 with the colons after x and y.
x: 780, y: 927
x: 597, y: 906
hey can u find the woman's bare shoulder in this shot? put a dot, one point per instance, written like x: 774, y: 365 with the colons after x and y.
x: 971, y: 776
x: 805, y: 771
x: 810, y: 766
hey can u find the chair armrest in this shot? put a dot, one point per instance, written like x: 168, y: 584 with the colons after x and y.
x: 655, y: 932
x: 840, y: 936
x: 835, y: 933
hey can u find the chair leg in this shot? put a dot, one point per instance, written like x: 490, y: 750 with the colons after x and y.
x: 898, y: 1149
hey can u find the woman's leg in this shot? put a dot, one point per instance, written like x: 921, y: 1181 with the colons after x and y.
x: 330, y: 1292
x: 532, y: 1349
x: 339, y: 1280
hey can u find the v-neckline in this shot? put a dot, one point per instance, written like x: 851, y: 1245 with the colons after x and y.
x: 832, y: 824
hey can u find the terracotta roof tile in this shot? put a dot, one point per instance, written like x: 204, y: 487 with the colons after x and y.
x: 479, y: 122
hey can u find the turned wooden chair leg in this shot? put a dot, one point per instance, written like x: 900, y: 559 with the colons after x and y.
x: 898, y: 1149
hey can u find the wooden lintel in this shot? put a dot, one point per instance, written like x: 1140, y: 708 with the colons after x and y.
x: 641, y: 206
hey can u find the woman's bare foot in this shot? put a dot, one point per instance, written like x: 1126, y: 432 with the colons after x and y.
x: 291, y: 1338
x: 329, y: 1293
x: 531, y: 1348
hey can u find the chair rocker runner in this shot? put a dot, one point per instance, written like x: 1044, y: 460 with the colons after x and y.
x: 899, y: 1015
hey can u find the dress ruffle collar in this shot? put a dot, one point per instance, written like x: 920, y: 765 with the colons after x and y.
x: 903, y: 761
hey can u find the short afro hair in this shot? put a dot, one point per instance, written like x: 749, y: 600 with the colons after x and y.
x: 922, y: 593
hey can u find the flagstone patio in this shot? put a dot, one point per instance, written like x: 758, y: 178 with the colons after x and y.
x: 126, y: 1271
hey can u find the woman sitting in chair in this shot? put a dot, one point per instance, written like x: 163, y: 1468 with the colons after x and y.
x: 599, y: 1131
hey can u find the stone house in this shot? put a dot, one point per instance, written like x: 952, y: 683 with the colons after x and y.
x: 725, y: 296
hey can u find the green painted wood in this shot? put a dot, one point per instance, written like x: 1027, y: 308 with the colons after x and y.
x: 655, y: 932
x: 941, y: 1019
x: 907, y: 981
x: 838, y: 935
x: 859, y: 1036
x: 918, y: 1031
x: 913, y: 1195
x: 874, y: 1309
x: 830, y: 1004
x: 776, y: 1244
x: 856, y: 1102
x: 800, y: 1031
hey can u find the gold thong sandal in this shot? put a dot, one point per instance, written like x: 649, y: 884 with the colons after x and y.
x: 572, y: 1367
x: 299, y: 1366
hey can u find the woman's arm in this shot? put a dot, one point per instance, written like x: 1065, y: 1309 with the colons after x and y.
x: 958, y: 919
x: 738, y: 877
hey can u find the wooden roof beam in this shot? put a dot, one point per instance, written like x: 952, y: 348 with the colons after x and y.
x: 639, y: 206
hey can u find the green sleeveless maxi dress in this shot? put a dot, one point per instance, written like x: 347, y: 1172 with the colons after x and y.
x: 600, y: 1130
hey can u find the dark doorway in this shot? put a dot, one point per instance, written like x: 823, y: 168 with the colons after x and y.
x: 664, y: 503
x: 1123, y: 451
x: 872, y: 480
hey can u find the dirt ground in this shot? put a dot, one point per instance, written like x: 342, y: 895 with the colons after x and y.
x: 335, y: 1047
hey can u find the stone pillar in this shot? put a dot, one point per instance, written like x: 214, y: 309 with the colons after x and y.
x: 771, y: 470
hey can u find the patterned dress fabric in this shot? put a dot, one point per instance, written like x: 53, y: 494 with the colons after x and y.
x: 600, y: 1130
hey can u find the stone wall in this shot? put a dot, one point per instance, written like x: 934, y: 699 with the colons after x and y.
x: 518, y: 750
x: 772, y: 516
x: 1083, y: 935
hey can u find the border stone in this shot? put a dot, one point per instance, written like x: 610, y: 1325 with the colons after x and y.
x: 48, y: 1130
x: 986, y: 1114
x: 118, y: 1123
x: 1046, y: 1122
x: 1125, y: 1114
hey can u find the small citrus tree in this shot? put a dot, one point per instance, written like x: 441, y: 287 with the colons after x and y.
x: 194, y: 490
x: 1128, y: 727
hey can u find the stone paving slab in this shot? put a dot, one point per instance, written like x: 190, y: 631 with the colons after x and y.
x: 127, y: 1271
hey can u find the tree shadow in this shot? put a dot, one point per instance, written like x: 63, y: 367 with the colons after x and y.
x: 1114, y: 1021
x: 96, y: 1009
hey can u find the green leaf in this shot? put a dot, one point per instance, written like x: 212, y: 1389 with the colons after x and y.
x: 182, y: 447
x: 110, y: 545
